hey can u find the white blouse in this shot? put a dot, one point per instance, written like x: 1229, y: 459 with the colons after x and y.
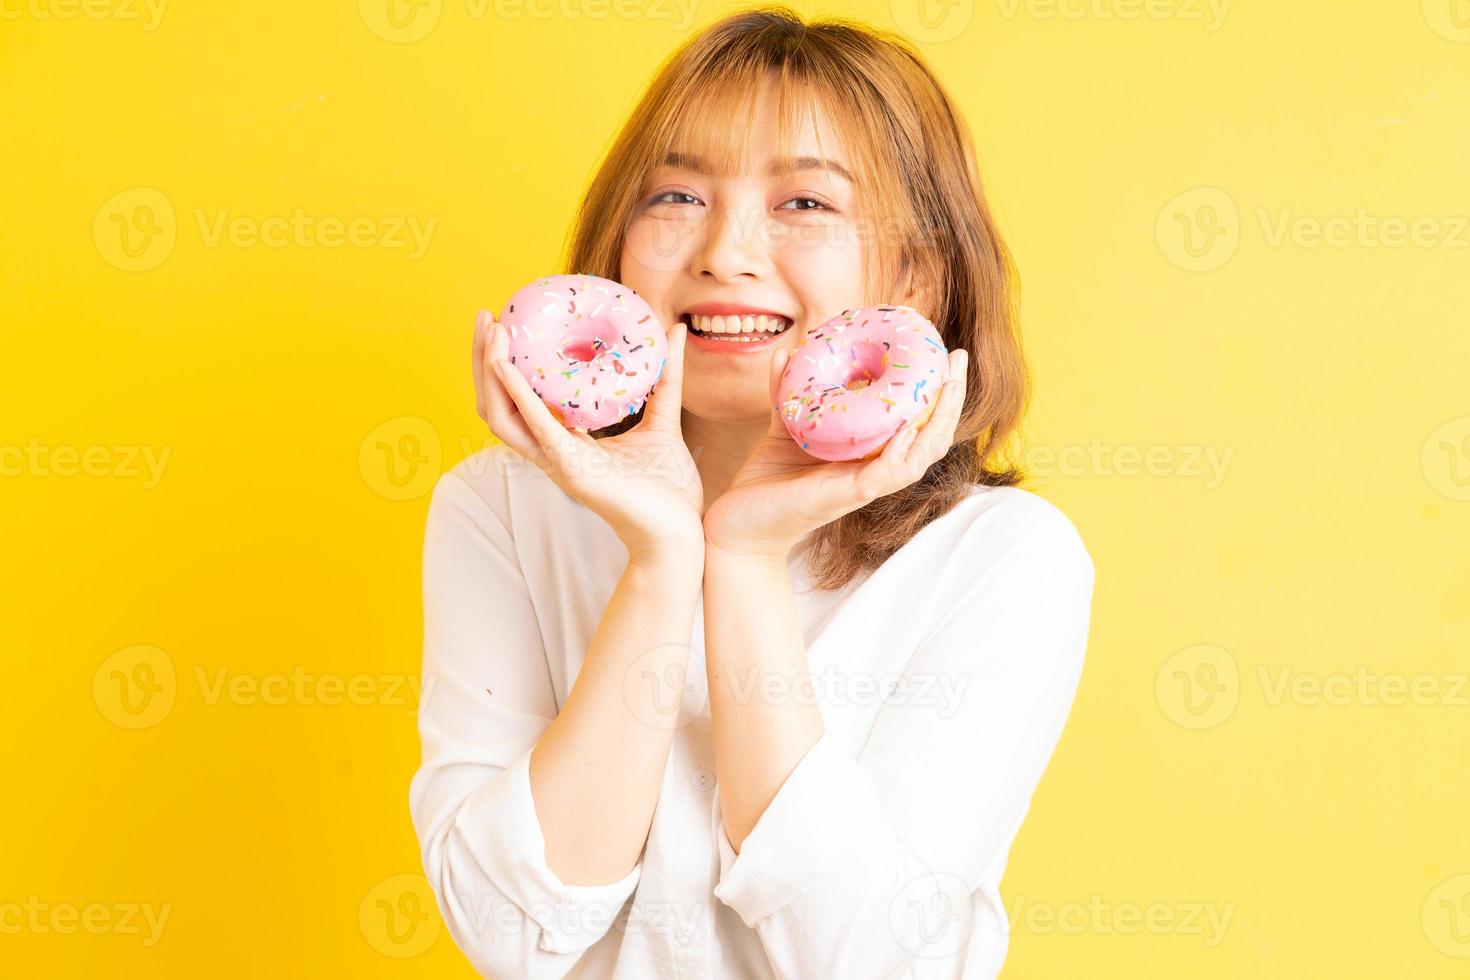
x: 944, y: 679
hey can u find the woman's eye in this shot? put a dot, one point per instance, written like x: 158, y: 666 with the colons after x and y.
x: 815, y: 205
x: 664, y: 198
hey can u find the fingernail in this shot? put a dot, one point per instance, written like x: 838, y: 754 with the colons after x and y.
x: 483, y: 320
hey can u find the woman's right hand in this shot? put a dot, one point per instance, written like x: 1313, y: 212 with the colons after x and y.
x: 643, y: 482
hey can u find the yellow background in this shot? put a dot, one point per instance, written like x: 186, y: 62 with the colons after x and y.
x: 1143, y: 159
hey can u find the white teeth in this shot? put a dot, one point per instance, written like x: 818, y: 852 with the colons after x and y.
x: 732, y: 326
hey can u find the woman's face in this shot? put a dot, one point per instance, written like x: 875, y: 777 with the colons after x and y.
x: 717, y: 250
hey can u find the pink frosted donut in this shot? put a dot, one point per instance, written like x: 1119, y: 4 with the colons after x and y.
x: 590, y: 347
x: 859, y: 377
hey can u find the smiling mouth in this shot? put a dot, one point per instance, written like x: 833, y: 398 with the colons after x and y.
x: 736, y: 329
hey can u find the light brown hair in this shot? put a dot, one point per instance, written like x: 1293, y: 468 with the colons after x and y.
x: 919, y: 186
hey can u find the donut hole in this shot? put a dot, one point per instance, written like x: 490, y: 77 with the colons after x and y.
x: 865, y: 365
x: 589, y: 338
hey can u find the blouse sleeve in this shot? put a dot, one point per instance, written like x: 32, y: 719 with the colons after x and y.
x: 860, y: 866
x: 487, y: 700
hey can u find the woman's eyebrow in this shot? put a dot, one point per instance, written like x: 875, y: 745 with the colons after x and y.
x: 788, y: 166
x: 778, y: 168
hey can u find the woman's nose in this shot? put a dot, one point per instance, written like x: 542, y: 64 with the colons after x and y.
x: 735, y: 245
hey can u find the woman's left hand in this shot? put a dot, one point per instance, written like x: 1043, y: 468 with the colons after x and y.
x: 780, y: 494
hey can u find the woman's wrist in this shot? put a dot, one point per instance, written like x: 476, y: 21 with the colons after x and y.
x: 765, y: 554
x: 668, y: 555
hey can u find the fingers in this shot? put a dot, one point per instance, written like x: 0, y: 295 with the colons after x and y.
x: 911, y: 451
x: 483, y: 322
x: 501, y: 413
x: 548, y: 437
x: 668, y: 395
x: 937, y: 436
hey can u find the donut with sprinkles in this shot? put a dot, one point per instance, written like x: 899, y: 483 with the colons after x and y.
x: 591, y: 348
x: 858, y: 378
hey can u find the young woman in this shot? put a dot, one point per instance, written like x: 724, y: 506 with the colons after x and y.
x: 702, y: 705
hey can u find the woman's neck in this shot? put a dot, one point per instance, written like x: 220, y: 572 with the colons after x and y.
x: 719, y: 448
